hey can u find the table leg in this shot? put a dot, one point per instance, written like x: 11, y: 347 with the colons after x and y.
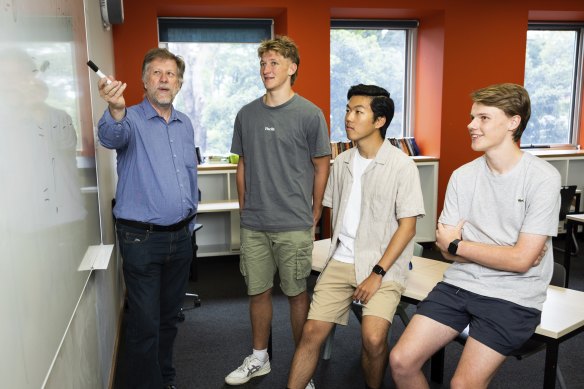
x: 551, y: 364
x: 568, y: 249
x: 577, y: 197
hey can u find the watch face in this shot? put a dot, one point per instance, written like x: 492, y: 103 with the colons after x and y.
x: 453, y: 246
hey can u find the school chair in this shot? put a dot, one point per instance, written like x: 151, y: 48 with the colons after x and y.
x: 193, y: 276
x: 193, y: 272
x: 567, y: 196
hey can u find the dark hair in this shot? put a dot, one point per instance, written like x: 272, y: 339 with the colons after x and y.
x: 158, y: 53
x: 381, y: 104
x: 512, y: 99
x: 284, y: 46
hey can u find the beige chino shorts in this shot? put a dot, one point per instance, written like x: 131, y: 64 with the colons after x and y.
x: 333, y: 295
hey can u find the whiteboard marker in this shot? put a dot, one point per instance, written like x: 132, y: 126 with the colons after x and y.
x: 98, y: 72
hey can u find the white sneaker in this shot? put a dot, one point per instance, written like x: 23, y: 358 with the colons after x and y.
x: 251, y: 367
x: 310, y: 384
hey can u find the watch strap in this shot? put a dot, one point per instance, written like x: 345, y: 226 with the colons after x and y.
x: 453, y: 246
x: 378, y: 270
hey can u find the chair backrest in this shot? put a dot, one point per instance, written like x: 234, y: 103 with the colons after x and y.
x: 559, y: 275
x: 567, y: 194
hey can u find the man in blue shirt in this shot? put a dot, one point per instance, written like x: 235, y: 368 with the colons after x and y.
x: 156, y: 201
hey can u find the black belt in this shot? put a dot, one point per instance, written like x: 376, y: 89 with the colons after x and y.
x: 156, y: 227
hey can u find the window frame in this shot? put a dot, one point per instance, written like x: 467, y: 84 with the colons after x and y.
x: 211, y: 25
x: 411, y: 29
x: 577, y: 84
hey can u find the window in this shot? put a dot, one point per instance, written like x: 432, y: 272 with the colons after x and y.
x: 372, y: 52
x: 222, y: 72
x: 553, y: 78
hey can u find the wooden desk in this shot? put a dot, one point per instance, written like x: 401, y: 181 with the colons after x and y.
x: 562, y: 315
x: 571, y: 221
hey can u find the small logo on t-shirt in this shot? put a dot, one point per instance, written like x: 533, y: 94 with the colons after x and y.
x: 270, y: 129
x: 521, y: 200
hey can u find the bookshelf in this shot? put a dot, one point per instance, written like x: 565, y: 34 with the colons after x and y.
x: 219, y: 208
x: 428, y: 169
x: 570, y: 164
x: 407, y: 144
x: 218, y: 211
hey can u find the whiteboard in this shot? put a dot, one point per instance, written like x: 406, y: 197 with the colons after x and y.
x: 48, y: 189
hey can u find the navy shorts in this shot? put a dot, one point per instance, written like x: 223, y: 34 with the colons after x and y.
x: 499, y: 324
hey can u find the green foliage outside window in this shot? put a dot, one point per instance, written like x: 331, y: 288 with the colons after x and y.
x: 368, y: 56
x: 219, y: 79
x: 550, y: 79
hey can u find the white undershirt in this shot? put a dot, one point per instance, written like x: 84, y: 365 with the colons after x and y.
x: 345, y: 251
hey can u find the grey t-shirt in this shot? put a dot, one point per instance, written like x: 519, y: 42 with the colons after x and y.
x: 496, y: 209
x: 277, y: 144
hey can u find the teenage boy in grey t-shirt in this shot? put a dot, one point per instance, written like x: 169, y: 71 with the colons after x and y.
x: 499, y: 217
x: 284, y: 148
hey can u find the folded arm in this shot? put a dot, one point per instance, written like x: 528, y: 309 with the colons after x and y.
x: 527, y: 252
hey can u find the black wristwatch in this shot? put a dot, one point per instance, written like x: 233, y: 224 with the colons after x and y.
x: 378, y: 270
x: 453, y: 246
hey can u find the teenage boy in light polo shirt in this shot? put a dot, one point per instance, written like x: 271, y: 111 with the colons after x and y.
x: 500, y: 213
x: 375, y: 194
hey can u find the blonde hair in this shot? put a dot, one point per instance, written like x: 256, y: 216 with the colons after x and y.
x: 284, y: 46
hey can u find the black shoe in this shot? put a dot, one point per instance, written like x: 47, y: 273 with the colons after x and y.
x: 169, y: 387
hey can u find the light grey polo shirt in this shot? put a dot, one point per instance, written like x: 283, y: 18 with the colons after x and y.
x: 496, y: 209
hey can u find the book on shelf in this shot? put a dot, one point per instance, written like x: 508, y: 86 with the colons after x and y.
x: 415, y: 146
x: 405, y: 146
x: 338, y: 147
x: 199, y: 158
x: 408, y: 145
x: 216, y: 159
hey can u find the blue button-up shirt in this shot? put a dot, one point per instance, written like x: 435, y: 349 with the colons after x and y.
x: 157, y: 164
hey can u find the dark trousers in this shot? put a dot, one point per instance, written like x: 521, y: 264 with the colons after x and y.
x: 156, y: 270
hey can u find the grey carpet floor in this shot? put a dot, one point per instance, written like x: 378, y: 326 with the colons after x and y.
x: 214, y: 339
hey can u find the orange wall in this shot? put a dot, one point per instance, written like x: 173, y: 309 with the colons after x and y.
x: 475, y: 57
x: 462, y: 45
